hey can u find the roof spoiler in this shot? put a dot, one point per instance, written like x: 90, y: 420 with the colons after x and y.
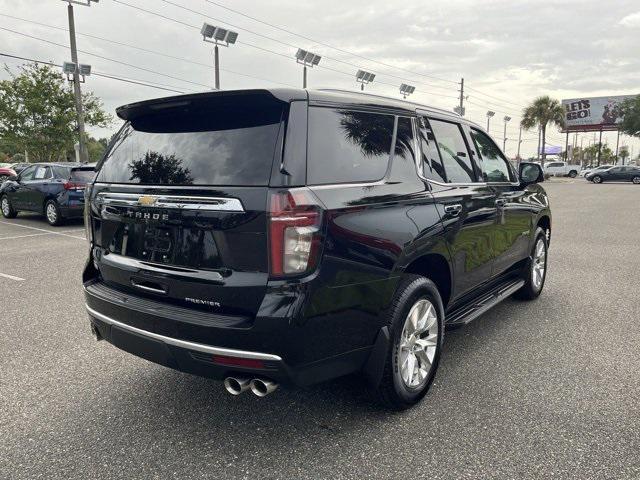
x: 206, y: 100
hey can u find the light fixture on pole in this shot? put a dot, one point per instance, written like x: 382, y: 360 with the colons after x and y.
x: 504, y: 137
x: 363, y: 78
x: 489, y: 115
x: 217, y: 36
x: 77, y: 94
x: 69, y: 68
x: 406, y: 90
x: 306, y: 59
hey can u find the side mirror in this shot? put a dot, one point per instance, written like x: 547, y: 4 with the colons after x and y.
x: 530, y: 173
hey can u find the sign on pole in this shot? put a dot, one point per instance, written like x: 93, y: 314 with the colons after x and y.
x: 593, y: 113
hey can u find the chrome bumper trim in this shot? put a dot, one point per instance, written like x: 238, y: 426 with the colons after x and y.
x: 199, y: 347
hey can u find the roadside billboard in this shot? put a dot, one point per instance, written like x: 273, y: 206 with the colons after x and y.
x: 593, y: 113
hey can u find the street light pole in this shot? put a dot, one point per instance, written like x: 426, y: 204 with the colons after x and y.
x: 216, y: 66
x: 76, y: 85
x: 504, y: 137
x: 519, y: 141
x: 489, y: 115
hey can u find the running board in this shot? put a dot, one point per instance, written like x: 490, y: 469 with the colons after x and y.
x: 466, y: 314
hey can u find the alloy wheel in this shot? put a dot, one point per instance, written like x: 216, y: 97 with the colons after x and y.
x: 52, y: 214
x: 6, y: 209
x: 418, y: 343
x: 636, y: 180
x: 539, y: 264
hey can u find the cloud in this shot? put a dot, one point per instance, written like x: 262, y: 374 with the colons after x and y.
x: 632, y: 20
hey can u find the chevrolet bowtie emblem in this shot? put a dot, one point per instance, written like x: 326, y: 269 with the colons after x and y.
x: 146, y: 200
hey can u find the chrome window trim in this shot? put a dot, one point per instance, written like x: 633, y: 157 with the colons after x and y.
x: 171, y: 201
x: 199, y: 347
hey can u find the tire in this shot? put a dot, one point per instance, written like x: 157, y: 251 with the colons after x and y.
x: 3, y: 178
x: 534, y: 273
x: 636, y: 180
x: 52, y: 213
x: 6, y: 208
x: 573, y: 174
x: 597, y: 179
x: 402, y: 386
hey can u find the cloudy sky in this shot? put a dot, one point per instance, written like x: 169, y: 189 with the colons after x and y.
x: 508, y: 51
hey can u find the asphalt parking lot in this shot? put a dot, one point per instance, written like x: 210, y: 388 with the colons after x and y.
x: 548, y: 389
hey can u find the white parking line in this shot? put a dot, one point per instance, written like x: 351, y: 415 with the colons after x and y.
x: 11, y: 277
x: 23, y: 236
x: 42, y: 230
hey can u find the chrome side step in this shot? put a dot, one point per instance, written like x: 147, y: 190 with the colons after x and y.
x: 468, y: 313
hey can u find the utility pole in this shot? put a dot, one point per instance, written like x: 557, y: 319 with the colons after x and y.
x: 617, y: 145
x: 461, y: 97
x: 76, y: 85
x: 566, y: 149
x: 599, y: 147
x: 304, y: 76
x: 519, y: 142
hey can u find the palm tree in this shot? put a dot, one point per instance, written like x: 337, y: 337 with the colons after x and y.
x: 543, y: 111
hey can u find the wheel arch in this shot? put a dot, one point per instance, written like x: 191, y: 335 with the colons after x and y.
x: 435, y: 267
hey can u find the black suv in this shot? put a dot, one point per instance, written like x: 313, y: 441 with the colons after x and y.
x: 292, y: 236
x: 53, y: 189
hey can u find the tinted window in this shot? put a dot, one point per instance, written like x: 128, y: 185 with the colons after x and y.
x: 431, y: 162
x: 347, y: 146
x: 232, y: 145
x: 403, y: 167
x: 453, y: 151
x: 82, y: 176
x: 554, y: 164
x: 27, y: 173
x: 494, y: 166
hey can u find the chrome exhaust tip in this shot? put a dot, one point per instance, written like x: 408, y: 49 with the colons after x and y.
x: 262, y: 388
x: 236, y: 385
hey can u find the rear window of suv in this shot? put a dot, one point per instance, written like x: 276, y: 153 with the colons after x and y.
x: 348, y: 146
x: 225, y: 146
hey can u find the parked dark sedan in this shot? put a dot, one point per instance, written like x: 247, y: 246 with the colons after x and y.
x: 616, y: 174
x: 53, y: 189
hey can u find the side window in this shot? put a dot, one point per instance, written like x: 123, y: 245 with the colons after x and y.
x: 495, y: 168
x: 453, y: 151
x: 431, y: 162
x: 403, y: 167
x: 27, y: 173
x: 42, y: 173
x: 347, y: 146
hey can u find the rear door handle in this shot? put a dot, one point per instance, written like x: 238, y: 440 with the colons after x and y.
x: 453, y: 210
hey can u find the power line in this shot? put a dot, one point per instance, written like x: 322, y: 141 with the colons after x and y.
x: 151, y: 12
x: 105, y: 58
x: 329, y: 45
x: 167, y: 88
x: 122, y: 44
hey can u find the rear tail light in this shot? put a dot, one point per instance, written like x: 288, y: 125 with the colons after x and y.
x: 295, y: 221
x: 73, y: 186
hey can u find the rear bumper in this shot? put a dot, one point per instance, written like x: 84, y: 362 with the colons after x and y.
x: 75, y: 211
x: 163, y: 340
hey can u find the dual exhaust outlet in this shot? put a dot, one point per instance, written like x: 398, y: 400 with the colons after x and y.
x: 259, y: 386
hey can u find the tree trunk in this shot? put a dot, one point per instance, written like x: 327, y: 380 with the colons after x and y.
x: 544, y: 143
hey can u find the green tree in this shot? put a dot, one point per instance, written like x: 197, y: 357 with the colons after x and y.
x: 631, y: 120
x: 623, y: 154
x: 606, y: 154
x: 542, y: 112
x: 37, y: 113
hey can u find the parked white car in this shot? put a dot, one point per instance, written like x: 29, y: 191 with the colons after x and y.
x: 562, y: 169
x: 587, y: 171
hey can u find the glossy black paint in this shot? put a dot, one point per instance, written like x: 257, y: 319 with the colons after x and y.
x: 325, y: 323
x: 32, y: 195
